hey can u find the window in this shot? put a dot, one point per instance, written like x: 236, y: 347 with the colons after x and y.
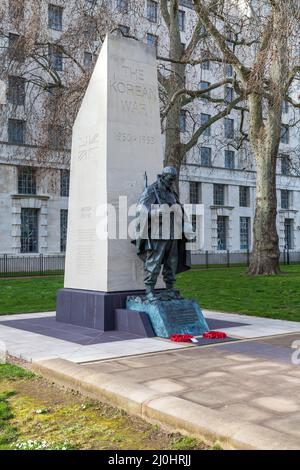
x: 122, y: 6
x: 13, y: 39
x: 203, y: 85
x: 229, y: 38
x: 195, y: 192
x: 205, y: 154
x: 63, y: 229
x: 229, y: 159
x: 152, y: 8
x: 219, y: 194
x: 230, y: 43
x: 285, y: 107
x: 16, y: 47
x: 228, y: 94
x: 289, y: 233
x: 285, y: 165
x: 181, y: 20
x: 55, y: 15
x: 244, y: 196
x: 56, y: 57
x: 284, y: 136
x: 16, y: 9
x: 244, y: 233
x: 16, y: 131
x: 90, y: 3
x: 182, y: 120
x: 56, y: 136
x: 229, y: 70
x: 203, y: 31
x: 88, y: 59
x: 229, y: 128
x: 26, y: 180
x: 285, y: 198
x: 204, y: 119
x: 152, y: 39
x: 16, y: 90
x: 205, y: 65
x: 125, y: 30
x: 64, y: 183
x: 29, y: 230
x: 194, y: 222
x: 90, y: 32
x: 222, y: 229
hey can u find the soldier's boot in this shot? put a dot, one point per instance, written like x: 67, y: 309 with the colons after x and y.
x: 172, y: 293
x: 150, y: 295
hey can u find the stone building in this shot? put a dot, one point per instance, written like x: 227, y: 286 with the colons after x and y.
x: 34, y: 196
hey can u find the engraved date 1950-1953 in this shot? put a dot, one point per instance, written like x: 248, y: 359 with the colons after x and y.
x: 134, y: 138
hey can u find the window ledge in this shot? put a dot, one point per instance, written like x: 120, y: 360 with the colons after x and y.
x: 288, y: 210
x: 29, y: 196
x: 215, y: 206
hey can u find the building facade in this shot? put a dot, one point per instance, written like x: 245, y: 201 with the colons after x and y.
x: 34, y: 196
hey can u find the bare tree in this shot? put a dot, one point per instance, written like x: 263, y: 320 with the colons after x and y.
x: 39, y: 56
x: 52, y: 61
x: 260, y: 40
x: 179, y: 68
x: 259, y: 43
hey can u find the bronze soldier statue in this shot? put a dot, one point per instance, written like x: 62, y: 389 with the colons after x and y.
x: 154, y: 247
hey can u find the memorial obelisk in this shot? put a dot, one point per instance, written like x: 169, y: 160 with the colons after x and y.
x: 116, y: 139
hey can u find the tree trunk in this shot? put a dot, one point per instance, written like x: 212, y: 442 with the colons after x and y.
x: 265, y: 138
x: 265, y: 255
x: 173, y: 141
x: 176, y: 81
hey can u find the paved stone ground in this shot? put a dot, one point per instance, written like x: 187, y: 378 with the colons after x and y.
x: 38, y: 336
x: 244, y: 392
x: 251, y: 381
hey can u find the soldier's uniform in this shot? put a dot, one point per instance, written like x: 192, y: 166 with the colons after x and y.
x: 155, y: 249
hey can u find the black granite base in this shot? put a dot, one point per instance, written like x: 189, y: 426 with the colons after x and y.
x: 49, y: 327
x: 105, y: 311
x: 128, y: 321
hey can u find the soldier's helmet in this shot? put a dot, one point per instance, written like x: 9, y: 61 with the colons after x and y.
x: 170, y: 170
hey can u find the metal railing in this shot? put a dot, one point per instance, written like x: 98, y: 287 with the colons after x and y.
x: 31, y: 265
x: 229, y: 259
x: 44, y: 265
x: 226, y: 258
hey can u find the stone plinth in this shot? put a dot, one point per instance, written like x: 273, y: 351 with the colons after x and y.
x: 103, y: 311
x: 116, y: 138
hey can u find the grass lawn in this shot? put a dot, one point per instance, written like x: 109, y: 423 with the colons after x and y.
x: 224, y: 289
x: 35, y: 415
x: 35, y: 294
x: 231, y: 290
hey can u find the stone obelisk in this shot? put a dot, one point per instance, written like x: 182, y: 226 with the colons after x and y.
x: 116, y: 139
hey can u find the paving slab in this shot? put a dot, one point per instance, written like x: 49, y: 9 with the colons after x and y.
x: 216, y: 396
x: 164, y: 385
x: 38, y: 336
x: 289, y: 424
x: 234, y: 425
x: 278, y: 404
x: 245, y: 412
x: 255, y: 395
x: 243, y: 394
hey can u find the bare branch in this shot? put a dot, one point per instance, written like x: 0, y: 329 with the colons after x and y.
x: 194, y: 139
x: 220, y: 40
